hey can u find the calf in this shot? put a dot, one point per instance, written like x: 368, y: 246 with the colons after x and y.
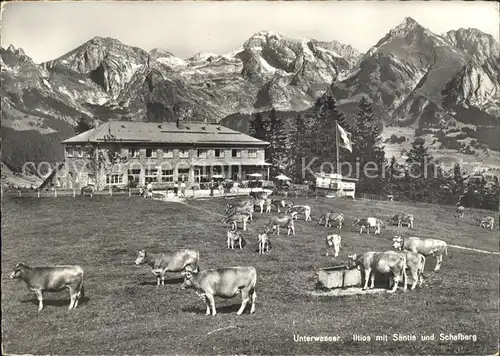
x: 52, y: 279
x: 281, y: 221
x: 295, y: 210
x: 426, y: 247
x: 168, y: 262
x: 415, y: 262
x: 264, y: 243
x: 87, y: 190
x: 460, y: 212
x: 330, y: 217
x: 382, y: 262
x: 225, y: 283
x: 334, y: 242
x: 368, y: 223
x: 233, y: 237
x: 402, y: 218
x: 487, y: 221
x: 237, y: 218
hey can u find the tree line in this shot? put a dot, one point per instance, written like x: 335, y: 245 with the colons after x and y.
x: 307, y: 144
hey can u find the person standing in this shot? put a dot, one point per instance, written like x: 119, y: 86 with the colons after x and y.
x: 211, y: 186
x: 176, y: 189
x: 183, y: 189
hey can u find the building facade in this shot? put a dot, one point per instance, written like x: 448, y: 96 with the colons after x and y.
x: 123, y: 153
x: 336, y: 184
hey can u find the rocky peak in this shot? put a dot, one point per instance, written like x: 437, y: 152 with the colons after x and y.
x: 160, y: 53
x: 480, y: 45
x: 17, y: 51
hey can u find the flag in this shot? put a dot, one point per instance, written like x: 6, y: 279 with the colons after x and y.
x: 343, y: 138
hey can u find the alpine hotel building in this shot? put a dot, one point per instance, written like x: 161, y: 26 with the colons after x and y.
x: 162, y: 153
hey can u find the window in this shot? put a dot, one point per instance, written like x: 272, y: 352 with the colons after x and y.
x: 69, y: 151
x: 236, y: 153
x: 183, y: 153
x: 151, y: 175
x: 200, y: 175
x: 88, y: 152
x: 167, y: 175
x: 219, y: 153
x: 134, y: 175
x: 77, y: 152
x: 133, y: 152
x: 150, y: 153
x: 114, y: 179
x: 183, y: 173
x: 252, y: 153
x: 202, y: 153
x: 168, y: 153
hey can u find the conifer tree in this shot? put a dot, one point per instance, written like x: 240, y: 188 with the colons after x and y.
x: 421, y: 169
x: 277, y: 137
x: 297, y: 143
x: 322, y: 133
x: 83, y: 126
x: 367, y: 148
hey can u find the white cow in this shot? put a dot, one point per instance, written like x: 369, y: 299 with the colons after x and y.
x: 426, y: 247
x: 382, y: 262
x: 368, y: 223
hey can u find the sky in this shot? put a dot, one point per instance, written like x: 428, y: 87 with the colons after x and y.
x: 47, y: 30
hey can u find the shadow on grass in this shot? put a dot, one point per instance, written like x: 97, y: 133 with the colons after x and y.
x: 170, y: 281
x: 56, y: 302
x: 227, y: 309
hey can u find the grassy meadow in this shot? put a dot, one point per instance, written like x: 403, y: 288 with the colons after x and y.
x: 124, y: 312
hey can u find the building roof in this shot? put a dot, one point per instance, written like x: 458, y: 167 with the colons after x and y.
x: 154, y: 132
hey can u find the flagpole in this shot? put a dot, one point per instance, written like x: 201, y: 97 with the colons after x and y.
x: 337, y: 144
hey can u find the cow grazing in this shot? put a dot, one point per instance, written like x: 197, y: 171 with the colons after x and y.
x: 295, y: 210
x: 223, y: 282
x: 426, y: 247
x: 368, y: 223
x: 281, y: 221
x: 237, y: 218
x: 330, y: 217
x: 87, y: 190
x: 264, y: 243
x: 245, y: 207
x: 334, y: 242
x: 273, y: 202
x: 383, y: 262
x: 415, y: 262
x: 460, y: 212
x: 52, y: 279
x: 402, y: 218
x: 487, y: 221
x: 234, y: 237
x: 168, y: 262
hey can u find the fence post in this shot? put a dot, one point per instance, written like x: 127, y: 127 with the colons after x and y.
x: 39, y: 193
x: 193, y: 193
x: 129, y: 193
x: 110, y: 191
x: 19, y: 193
x: 55, y: 192
x: 74, y: 193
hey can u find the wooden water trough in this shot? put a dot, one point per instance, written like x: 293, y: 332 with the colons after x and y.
x: 339, y: 277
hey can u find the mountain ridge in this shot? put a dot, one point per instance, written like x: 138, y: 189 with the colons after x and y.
x: 413, y: 77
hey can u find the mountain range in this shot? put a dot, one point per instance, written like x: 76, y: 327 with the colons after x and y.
x: 414, y: 78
